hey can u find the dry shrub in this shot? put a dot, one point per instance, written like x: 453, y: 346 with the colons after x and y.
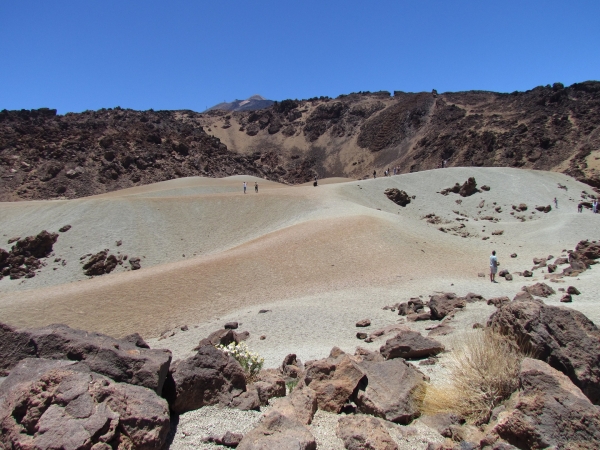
x: 482, y: 372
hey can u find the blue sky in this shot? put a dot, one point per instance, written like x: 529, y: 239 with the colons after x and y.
x: 78, y: 55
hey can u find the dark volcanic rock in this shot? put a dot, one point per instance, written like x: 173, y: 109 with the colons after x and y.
x: 277, y: 431
x: 118, y: 359
x: 135, y: 264
x: 24, y: 257
x: 397, y: 196
x: 363, y: 432
x: 333, y: 379
x: 392, y: 390
x: 443, y: 304
x: 48, y: 404
x: 550, y: 412
x: 539, y: 290
x: 363, y: 323
x: 410, y: 345
x: 100, y: 264
x: 209, y: 377
x: 468, y: 188
x: 560, y: 336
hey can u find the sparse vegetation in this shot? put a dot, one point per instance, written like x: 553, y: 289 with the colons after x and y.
x: 251, y: 362
x: 482, y: 372
x: 290, y: 385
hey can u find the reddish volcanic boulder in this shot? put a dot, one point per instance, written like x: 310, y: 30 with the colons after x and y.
x: 550, y: 411
x: 392, y: 390
x: 539, y: 290
x: 443, y: 304
x: 277, y: 431
x: 118, y: 359
x: 363, y: 432
x: 209, y: 377
x: 560, y: 336
x: 334, y: 379
x: 409, y: 345
x: 49, y: 404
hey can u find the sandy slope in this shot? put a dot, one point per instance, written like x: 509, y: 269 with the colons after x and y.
x: 327, y: 255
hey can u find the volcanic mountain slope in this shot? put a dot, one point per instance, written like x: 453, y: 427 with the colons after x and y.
x: 549, y: 128
x: 250, y: 104
x: 44, y: 155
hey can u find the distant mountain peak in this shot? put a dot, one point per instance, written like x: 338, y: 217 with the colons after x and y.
x: 250, y: 104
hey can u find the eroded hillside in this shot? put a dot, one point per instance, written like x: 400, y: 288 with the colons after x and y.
x: 44, y: 155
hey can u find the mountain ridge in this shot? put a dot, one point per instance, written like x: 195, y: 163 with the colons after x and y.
x: 44, y: 155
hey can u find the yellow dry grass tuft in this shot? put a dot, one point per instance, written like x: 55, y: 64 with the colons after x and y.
x: 482, y: 372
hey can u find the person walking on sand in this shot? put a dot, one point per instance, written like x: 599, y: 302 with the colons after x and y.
x: 256, y: 187
x: 244, y: 187
x: 493, y: 266
x: 555, y: 203
x: 374, y: 174
x: 580, y: 207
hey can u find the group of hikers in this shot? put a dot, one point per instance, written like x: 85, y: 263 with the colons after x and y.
x: 255, y: 187
x: 396, y: 169
x: 595, y: 206
x: 387, y: 172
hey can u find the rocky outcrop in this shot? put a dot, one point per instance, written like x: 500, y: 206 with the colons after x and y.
x: 210, y: 377
x: 269, y: 385
x: 101, y: 263
x: 26, y: 254
x: 443, y: 304
x: 397, y: 196
x: 560, y: 336
x: 48, y: 404
x: 392, y: 390
x: 550, y: 411
x: 278, y: 431
x: 413, y: 306
x: 334, y: 379
x: 410, y: 345
x: 548, y: 128
x: 363, y: 432
x: 118, y: 359
x: 539, y: 290
x: 301, y: 404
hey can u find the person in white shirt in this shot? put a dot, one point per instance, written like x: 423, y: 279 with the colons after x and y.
x: 244, y: 187
x: 493, y: 266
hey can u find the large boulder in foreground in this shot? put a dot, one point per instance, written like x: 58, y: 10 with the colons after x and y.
x: 278, y: 431
x: 560, y: 336
x: 410, y: 345
x: 550, y: 411
x: 118, y: 359
x: 334, y: 380
x: 210, y: 377
x: 51, y: 404
x: 301, y: 405
x: 363, y: 432
x: 391, y: 390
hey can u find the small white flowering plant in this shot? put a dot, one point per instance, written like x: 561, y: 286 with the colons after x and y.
x: 251, y: 362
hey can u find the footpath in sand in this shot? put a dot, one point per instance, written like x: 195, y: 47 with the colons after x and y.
x: 318, y: 259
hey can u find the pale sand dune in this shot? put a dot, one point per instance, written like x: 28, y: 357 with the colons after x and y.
x: 320, y: 258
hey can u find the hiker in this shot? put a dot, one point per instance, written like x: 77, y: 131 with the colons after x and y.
x: 493, y: 266
x: 595, y: 206
x: 374, y: 174
x: 244, y: 187
x: 256, y: 187
x: 555, y: 203
x: 580, y: 207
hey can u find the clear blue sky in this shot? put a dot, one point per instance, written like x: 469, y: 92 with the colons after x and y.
x: 170, y: 54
